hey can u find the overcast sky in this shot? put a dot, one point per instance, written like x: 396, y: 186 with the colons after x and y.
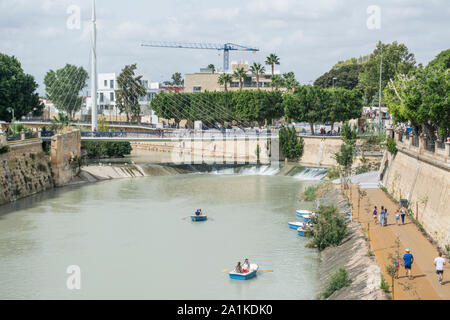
x: 308, y: 36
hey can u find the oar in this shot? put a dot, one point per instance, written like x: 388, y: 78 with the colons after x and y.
x: 226, y: 270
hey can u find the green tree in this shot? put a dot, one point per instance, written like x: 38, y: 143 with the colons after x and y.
x: 257, y: 69
x: 306, y: 104
x: 224, y: 80
x: 272, y: 60
x: 277, y: 82
x: 396, y: 60
x: 240, y: 74
x: 17, y: 90
x: 347, y: 77
x: 329, y: 228
x: 291, y: 146
x: 421, y: 97
x: 129, y: 92
x: 289, y: 81
x: 63, y: 87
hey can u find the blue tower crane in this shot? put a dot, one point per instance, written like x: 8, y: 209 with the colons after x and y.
x: 226, y: 48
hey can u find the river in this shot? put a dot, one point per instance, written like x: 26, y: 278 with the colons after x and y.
x: 132, y: 239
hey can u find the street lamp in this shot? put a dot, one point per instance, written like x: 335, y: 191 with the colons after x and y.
x: 11, y: 110
x: 334, y: 79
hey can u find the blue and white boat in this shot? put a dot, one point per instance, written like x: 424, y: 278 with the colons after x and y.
x: 199, y: 218
x: 296, y: 225
x: 245, y: 276
x: 307, y: 217
x: 301, y: 231
x: 301, y: 213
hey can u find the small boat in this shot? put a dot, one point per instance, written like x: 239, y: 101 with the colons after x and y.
x: 307, y: 217
x: 296, y: 225
x: 301, y: 213
x: 301, y: 231
x: 199, y: 218
x: 245, y: 276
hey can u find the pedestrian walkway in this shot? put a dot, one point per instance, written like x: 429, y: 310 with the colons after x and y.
x: 425, y: 285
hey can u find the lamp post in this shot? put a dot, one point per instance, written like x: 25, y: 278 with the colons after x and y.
x: 334, y: 79
x: 11, y: 110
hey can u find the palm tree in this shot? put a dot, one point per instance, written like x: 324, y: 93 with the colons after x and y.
x: 277, y: 82
x: 240, y: 74
x: 272, y: 60
x: 225, y: 79
x: 290, y: 81
x: 257, y: 69
x: 212, y: 68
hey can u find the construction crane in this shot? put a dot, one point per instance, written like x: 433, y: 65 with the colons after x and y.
x: 226, y: 48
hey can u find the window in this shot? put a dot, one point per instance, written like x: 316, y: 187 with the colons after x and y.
x: 106, y: 83
x: 101, y: 97
x: 197, y: 89
x: 111, y: 84
x: 111, y: 96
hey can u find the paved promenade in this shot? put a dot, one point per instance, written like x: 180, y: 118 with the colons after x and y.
x: 425, y: 285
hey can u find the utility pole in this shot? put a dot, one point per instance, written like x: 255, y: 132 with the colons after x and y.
x: 94, y: 69
x: 379, y: 100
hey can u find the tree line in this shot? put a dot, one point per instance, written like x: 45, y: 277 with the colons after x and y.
x: 304, y: 104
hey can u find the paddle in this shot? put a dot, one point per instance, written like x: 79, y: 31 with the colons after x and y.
x: 226, y: 270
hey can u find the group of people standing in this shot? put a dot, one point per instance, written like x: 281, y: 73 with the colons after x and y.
x: 383, y: 217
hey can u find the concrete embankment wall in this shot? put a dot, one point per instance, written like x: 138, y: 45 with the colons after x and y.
x: 319, y: 151
x: 228, y: 151
x: 423, y: 178
x: 65, y: 149
x: 24, y: 171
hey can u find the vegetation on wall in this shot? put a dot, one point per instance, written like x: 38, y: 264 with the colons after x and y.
x: 291, y: 146
x: 97, y: 150
x: 329, y: 228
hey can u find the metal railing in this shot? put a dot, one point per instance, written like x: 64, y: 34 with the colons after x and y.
x: 415, y: 141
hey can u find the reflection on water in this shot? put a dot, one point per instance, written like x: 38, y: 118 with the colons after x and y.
x: 132, y: 240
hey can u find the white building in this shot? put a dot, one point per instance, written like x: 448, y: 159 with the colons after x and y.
x: 106, y: 98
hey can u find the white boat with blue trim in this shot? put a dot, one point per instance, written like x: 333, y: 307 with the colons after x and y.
x: 245, y: 276
x: 296, y: 225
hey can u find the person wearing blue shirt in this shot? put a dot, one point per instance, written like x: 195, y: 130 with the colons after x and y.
x: 408, y: 260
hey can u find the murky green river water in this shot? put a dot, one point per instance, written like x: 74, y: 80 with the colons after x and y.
x: 132, y: 240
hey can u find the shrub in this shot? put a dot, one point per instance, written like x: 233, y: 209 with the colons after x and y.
x: 338, y: 280
x: 4, y: 149
x: 310, y: 193
x: 96, y: 150
x: 391, y: 146
x: 384, y: 285
x: 291, y: 146
x: 329, y: 228
x: 333, y: 173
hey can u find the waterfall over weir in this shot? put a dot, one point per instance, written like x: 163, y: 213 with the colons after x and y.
x: 311, y: 174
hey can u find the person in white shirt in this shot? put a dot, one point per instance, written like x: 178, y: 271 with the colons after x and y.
x: 439, y: 262
x: 246, y: 266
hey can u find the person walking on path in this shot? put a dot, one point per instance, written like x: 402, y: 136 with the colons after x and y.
x: 403, y: 215
x: 439, y: 262
x: 375, y: 212
x: 397, y: 216
x: 382, y: 215
x: 408, y: 260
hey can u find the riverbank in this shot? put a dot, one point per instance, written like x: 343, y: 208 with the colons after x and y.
x: 353, y: 254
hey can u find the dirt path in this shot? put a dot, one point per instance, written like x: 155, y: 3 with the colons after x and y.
x: 425, y: 285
